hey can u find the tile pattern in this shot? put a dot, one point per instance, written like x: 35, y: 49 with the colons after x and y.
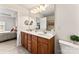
x: 9, y: 47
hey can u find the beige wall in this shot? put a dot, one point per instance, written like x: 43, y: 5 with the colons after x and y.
x: 66, y: 21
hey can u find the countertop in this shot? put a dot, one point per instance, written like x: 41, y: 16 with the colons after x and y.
x: 47, y: 35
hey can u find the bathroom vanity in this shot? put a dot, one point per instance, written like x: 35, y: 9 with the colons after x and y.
x: 38, y: 42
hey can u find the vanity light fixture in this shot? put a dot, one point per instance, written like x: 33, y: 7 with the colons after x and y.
x: 39, y: 9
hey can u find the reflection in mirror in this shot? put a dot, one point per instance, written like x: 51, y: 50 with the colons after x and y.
x: 50, y: 22
x: 46, y: 19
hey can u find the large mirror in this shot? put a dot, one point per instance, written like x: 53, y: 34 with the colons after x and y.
x: 46, y: 18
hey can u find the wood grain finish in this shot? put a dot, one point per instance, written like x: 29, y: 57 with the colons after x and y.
x: 42, y: 45
x: 29, y: 43
x: 37, y: 45
x: 51, y: 45
x: 26, y: 40
x: 34, y: 44
x: 23, y: 39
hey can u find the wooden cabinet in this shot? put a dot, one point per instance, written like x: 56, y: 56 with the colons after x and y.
x: 45, y: 46
x: 37, y: 45
x: 51, y: 45
x: 34, y: 44
x: 26, y: 40
x: 23, y: 39
x: 29, y: 43
x: 42, y: 45
x: 42, y: 49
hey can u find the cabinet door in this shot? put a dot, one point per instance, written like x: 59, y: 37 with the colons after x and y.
x: 23, y: 39
x: 42, y: 46
x: 34, y: 44
x: 43, y: 49
x: 39, y: 47
x: 29, y: 43
x: 26, y: 40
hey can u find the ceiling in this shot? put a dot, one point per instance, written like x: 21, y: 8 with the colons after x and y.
x: 49, y: 10
x: 29, y: 6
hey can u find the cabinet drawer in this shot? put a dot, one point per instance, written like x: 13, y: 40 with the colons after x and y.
x: 34, y: 38
x: 42, y: 40
x: 29, y: 41
x: 29, y: 37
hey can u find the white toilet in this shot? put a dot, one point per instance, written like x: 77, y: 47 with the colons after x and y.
x: 68, y: 48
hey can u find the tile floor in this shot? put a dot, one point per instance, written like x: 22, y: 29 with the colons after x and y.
x: 9, y: 47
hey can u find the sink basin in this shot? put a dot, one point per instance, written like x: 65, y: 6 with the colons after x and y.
x: 40, y: 32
